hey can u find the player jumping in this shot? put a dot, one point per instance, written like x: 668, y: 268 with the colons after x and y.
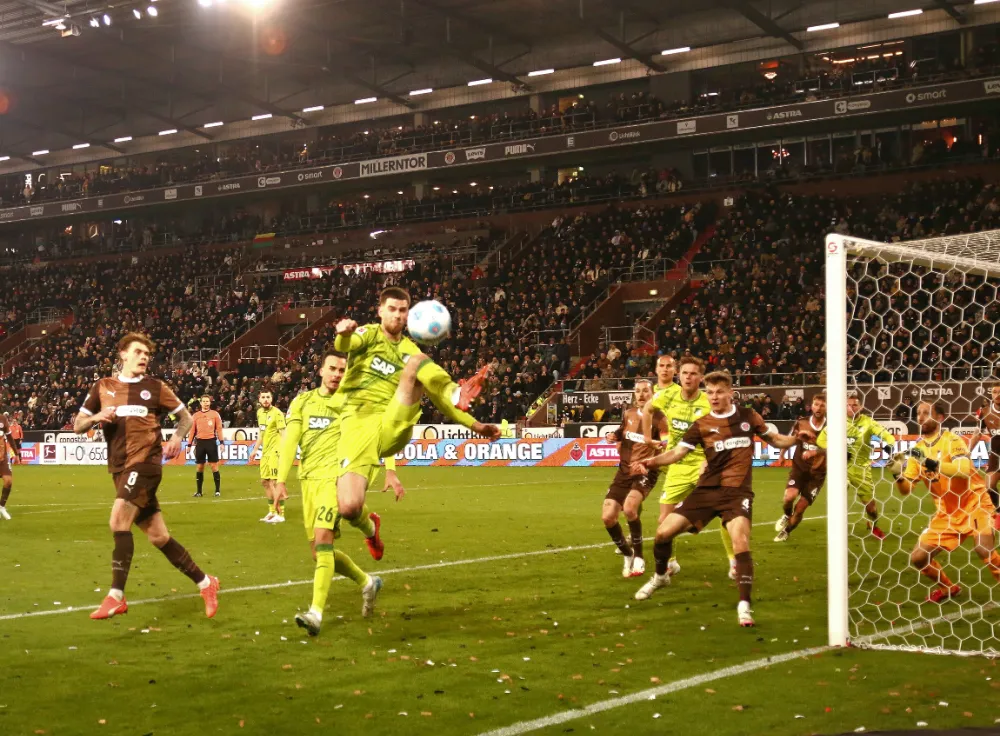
x: 386, y: 377
x: 941, y: 461
x: 8, y: 443
x: 130, y: 406
x: 628, y: 491
x: 271, y: 430
x: 808, y: 473
x: 314, y: 428
x: 683, y: 407
x: 725, y: 487
x: 861, y: 428
x: 989, y: 431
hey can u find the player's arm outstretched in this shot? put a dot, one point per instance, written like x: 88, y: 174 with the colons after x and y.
x: 289, y: 443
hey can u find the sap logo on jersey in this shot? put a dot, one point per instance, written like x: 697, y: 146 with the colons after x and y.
x: 319, y: 422
x: 733, y: 443
x: 680, y: 424
x: 380, y: 366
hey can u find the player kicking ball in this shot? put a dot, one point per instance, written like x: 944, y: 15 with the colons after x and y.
x: 387, y: 375
x: 628, y: 491
x: 271, y: 430
x: 808, y: 473
x: 131, y: 406
x: 940, y: 460
x: 313, y: 428
x: 725, y: 487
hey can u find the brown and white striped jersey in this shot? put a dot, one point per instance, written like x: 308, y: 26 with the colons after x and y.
x: 728, y: 441
x: 134, y: 439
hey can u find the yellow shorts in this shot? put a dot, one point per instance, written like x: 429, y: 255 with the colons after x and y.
x: 366, y: 438
x: 269, y: 466
x: 680, y: 481
x: 319, y: 506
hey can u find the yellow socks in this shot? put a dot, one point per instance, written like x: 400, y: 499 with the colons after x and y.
x: 322, y: 578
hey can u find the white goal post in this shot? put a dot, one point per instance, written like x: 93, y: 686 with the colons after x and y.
x: 880, y: 297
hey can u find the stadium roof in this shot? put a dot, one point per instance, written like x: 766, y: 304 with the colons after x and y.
x: 129, y: 74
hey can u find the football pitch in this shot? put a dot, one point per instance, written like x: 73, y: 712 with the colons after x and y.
x: 503, y: 611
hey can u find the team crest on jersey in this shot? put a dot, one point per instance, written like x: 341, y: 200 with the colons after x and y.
x: 145, y: 395
x: 361, y: 330
x: 697, y: 412
x: 745, y: 427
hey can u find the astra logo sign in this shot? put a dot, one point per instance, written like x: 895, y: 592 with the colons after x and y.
x: 784, y: 114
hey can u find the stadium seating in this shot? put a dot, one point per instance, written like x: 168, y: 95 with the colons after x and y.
x: 603, y: 107
x: 757, y: 311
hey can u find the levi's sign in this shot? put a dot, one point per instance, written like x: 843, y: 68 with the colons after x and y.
x: 395, y: 165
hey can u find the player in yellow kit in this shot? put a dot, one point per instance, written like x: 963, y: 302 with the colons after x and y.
x: 271, y: 429
x: 941, y: 461
x: 387, y: 374
x: 313, y: 428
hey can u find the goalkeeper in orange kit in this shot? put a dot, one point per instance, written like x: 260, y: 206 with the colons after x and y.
x: 941, y: 461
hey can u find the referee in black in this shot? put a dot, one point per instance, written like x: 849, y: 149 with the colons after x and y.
x: 206, y: 432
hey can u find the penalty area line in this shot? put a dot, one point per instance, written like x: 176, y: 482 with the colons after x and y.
x: 515, y: 729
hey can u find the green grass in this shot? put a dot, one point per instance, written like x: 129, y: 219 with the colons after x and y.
x: 513, y: 639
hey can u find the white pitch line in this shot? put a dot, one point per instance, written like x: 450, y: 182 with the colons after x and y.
x: 54, y: 508
x: 393, y: 571
x: 522, y: 727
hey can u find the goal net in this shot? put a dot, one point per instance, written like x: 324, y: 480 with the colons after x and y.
x: 905, y: 323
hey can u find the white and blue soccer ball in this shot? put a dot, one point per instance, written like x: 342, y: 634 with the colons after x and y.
x: 429, y: 322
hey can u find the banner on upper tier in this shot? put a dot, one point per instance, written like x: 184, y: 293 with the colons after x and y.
x: 583, y: 452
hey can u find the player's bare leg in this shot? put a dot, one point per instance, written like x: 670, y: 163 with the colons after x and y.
x: 269, y: 492
x: 798, y: 508
x: 922, y: 558
x: 739, y: 531
x: 673, y: 566
x: 610, y: 512
x: 8, y: 484
x: 787, y: 508
x: 123, y: 515
x: 156, y: 532
x: 663, y: 549
x: 986, y: 550
x: 632, y: 510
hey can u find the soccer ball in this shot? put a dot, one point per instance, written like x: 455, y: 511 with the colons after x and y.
x: 428, y: 322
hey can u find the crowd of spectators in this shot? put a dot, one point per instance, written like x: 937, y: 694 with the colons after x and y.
x: 816, y: 78
x: 758, y: 311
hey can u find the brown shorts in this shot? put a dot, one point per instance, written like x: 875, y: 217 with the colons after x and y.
x: 624, y: 484
x: 704, y: 504
x: 993, y: 456
x: 807, y: 484
x: 139, y: 489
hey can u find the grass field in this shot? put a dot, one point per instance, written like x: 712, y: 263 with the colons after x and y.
x: 503, y: 603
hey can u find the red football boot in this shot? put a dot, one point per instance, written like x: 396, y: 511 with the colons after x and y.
x: 110, y: 606
x: 942, y: 594
x: 878, y: 533
x: 375, y: 546
x: 211, y: 596
x: 470, y: 388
